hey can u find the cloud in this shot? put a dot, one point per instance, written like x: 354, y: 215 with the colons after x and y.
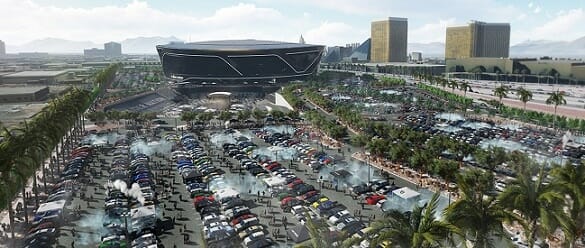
x: 134, y: 19
x: 335, y: 33
x: 530, y: 4
x: 537, y: 9
x: 431, y: 32
x: 565, y: 25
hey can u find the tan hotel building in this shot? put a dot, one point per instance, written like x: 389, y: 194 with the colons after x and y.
x: 478, y: 39
x: 389, y: 40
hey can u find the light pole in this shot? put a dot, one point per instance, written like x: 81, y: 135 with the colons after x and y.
x: 368, y: 164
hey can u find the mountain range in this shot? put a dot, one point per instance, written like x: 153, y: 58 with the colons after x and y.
x: 146, y: 45
x: 570, y: 49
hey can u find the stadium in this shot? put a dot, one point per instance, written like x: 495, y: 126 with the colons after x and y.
x: 238, y: 61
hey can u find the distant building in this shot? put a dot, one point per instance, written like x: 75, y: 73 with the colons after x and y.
x: 478, y: 39
x: 532, y: 69
x: 23, y: 94
x: 36, y: 77
x: 361, y: 53
x: 33, y: 55
x: 337, y: 53
x: 2, y: 48
x: 113, y: 49
x: 416, y: 57
x: 94, y: 52
x: 389, y: 40
x: 302, y: 40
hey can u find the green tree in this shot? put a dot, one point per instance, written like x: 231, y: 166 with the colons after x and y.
x: 464, y: 86
x: 556, y: 98
x: 477, y: 212
x: 453, y: 85
x: 225, y: 116
x: 524, y: 95
x: 570, y: 181
x: 259, y: 114
x: 188, y: 117
x: 536, y: 202
x: 415, y: 229
x: 244, y: 115
x: 501, y: 92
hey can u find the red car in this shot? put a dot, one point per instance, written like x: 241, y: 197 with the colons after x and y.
x: 286, y: 200
x: 273, y: 167
x: 270, y: 163
x: 372, y: 200
x: 295, y: 182
x: 201, y: 198
x: 241, y: 218
x: 308, y: 195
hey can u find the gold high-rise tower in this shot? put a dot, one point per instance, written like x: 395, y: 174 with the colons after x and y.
x: 389, y: 40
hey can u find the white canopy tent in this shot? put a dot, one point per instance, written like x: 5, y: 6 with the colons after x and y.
x: 406, y: 193
x: 274, y: 181
x: 50, y: 206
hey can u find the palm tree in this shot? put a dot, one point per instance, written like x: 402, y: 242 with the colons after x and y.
x: 557, y: 98
x: 259, y: 114
x: 453, y: 85
x: 188, y: 117
x: 464, y: 86
x: 318, y: 231
x: 36, y: 151
x: 524, y: 95
x: 415, y: 229
x: 477, y: 212
x: 501, y: 92
x: 244, y: 115
x: 536, y: 202
x: 570, y: 180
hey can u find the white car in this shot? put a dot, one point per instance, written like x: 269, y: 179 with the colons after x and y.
x: 380, y: 203
x: 208, y: 219
x: 335, y: 218
x: 253, y: 237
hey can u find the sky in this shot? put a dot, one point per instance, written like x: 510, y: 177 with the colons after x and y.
x: 326, y: 22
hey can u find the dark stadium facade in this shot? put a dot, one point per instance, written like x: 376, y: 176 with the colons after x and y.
x: 250, y: 61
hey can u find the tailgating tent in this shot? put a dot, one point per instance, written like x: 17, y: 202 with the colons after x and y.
x: 406, y: 193
x: 274, y: 181
x: 50, y: 206
x: 225, y: 193
x: 298, y: 233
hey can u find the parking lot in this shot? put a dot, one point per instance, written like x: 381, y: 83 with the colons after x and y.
x: 253, y: 187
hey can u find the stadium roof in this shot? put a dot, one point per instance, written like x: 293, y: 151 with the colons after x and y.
x: 231, y: 45
x: 19, y: 90
x: 35, y: 74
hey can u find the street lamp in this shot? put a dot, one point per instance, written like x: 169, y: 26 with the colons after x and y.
x: 368, y: 164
